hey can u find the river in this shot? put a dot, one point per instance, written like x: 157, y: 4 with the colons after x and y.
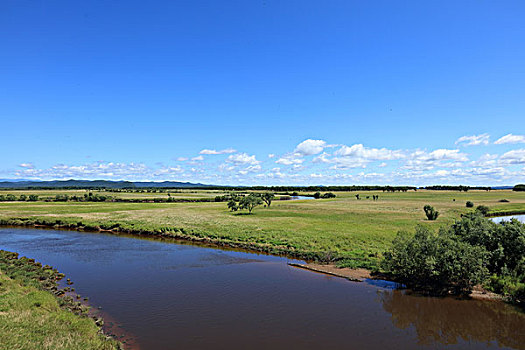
x: 181, y: 296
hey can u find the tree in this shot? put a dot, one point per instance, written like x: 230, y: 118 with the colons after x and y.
x: 33, y: 197
x: 232, y: 205
x: 317, y: 195
x: 267, y: 197
x: 430, y: 212
x: 249, y: 202
x: 469, y: 204
x: 22, y: 197
x: 520, y: 187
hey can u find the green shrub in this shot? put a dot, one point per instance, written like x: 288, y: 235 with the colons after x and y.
x: 436, y: 263
x: 469, y: 204
x: 483, y: 209
x: 430, y: 212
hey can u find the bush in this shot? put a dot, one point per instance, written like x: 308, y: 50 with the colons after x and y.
x: 503, y: 200
x: 483, y: 209
x: 317, y: 195
x: 461, y: 256
x: 328, y: 195
x: 430, y: 212
x: 438, y: 264
x: 469, y: 204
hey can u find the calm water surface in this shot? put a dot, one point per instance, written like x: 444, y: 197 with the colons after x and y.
x: 174, y: 296
x: 520, y: 218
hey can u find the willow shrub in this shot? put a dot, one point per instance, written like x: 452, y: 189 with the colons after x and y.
x: 436, y: 263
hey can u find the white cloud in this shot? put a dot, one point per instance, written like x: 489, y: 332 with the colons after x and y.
x: 310, y: 147
x: 182, y: 159
x: 198, y: 158
x: 368, y: 154
x: 473, y: 140
x: 26, y: 165
x: 516, y: 156
x: 290, y: 159
x: 242, y: 158
x: 223, y: 151
x: 422, y: 160
x: 271, y: 155
x: 510, y: 138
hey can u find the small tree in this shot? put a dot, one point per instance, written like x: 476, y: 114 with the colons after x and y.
x: 33, y: 197
x: 267, y: 197
x: 249, y: 202
x: 470, y: 204
x: 22, y: 197
x: 430, y: 212
x: 317, y: 195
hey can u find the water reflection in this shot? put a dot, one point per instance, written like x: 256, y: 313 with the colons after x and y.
x: 448, y: 320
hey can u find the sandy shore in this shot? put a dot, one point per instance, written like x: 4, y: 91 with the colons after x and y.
x: 359, y: 275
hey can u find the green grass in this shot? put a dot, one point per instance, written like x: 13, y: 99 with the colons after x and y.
x: 345, y: 228
x: 31, y: 316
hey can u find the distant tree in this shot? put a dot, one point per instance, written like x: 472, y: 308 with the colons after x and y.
x: 22, y: 197
x: 10, y: 198
x: 328, y: 195
x: 469, y: 204
x: 430, y: 212
x: 520, y: 187
x: 33, y: 197
x: 317, y: 195
x: 267, y: 197
x: 249, y: 202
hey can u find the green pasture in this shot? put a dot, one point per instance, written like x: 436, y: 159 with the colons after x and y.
x: 344, y: 227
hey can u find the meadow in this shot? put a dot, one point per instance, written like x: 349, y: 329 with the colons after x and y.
x: 350, y: 231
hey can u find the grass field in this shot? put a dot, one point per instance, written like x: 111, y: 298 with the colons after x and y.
x: 355, y: 230
x: 31, y: 318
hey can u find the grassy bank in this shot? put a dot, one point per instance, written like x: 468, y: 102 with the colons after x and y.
x: 350, y: 231
x: 33, y: 317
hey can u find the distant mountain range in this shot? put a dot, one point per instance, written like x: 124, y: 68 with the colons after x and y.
x: 97, y: 183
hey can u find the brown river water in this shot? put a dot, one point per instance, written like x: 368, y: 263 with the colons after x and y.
x: 164, y: 295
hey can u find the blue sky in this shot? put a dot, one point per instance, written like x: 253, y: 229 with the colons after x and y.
x: 286, y: 92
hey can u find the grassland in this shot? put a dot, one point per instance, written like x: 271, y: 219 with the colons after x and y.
x: 31, y: 316
x: 355, y: 232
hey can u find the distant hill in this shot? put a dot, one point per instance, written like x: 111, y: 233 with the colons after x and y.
x: 97, y: 184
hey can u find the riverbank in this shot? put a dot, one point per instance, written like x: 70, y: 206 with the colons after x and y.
x: 318, y: 264
x: 360, y: 275
x: 36, y: 314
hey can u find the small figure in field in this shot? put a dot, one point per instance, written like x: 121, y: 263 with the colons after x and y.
x: 357, y: 196
x: 367, y: 197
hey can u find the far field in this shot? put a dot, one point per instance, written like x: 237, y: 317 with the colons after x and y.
x: 357, y: 230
